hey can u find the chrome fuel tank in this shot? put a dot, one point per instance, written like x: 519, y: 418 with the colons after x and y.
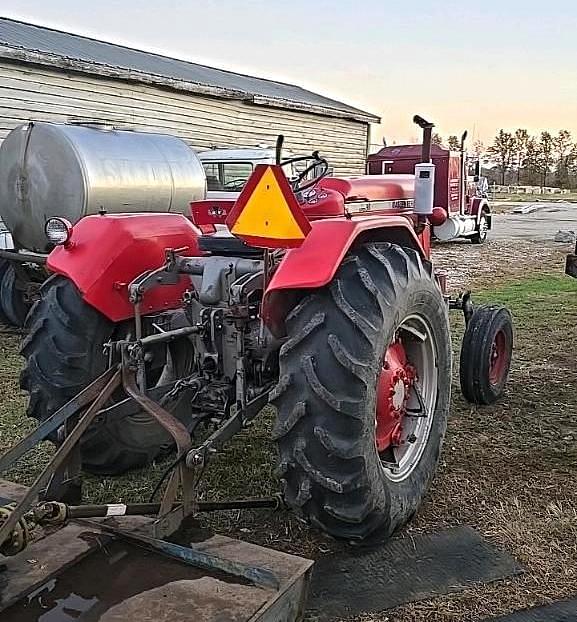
x: 51, y: 169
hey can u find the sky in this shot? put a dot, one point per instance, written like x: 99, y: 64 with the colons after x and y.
x: 472, y: 65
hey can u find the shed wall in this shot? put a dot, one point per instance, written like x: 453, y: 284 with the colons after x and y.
x: 29, y: 92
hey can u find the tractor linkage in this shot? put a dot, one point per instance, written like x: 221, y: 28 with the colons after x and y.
x: 61, y: 478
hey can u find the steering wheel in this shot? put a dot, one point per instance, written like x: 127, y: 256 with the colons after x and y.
x: 318, y: 164
x: 235, y: 184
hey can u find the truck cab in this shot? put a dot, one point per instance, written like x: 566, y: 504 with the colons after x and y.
x: 227, y: 170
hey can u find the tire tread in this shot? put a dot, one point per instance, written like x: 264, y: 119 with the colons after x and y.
x: 326, y: 377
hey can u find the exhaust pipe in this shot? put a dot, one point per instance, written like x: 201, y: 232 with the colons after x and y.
x: 424, y: 173
x: 463, y: 174
x: 427, y: 128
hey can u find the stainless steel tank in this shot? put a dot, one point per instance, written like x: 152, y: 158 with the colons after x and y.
x: 50, y: 169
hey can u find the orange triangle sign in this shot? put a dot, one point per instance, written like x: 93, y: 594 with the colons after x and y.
x: 267, y: 213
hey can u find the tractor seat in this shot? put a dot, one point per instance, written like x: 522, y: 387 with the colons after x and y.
x: 227, y: 246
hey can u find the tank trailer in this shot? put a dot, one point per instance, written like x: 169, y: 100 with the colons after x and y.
x: 75, y: 170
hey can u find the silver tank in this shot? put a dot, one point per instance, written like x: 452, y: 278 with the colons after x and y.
x: 50, y: 169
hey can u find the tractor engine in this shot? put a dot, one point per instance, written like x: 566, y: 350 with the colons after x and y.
x: 235, y: 354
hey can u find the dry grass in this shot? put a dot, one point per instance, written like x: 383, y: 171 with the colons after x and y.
x: 486, y: 266
x: 508, y: 470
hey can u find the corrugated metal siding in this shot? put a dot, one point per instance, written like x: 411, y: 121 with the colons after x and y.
x: 28, y: 92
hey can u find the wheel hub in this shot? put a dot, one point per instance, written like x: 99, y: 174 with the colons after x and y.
x: 406, y: 394
x: 499, y: 358
x: 398, y: 398
x: 394, y: 385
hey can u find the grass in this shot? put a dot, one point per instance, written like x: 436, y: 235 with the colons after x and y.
x: 537, y: 302
x: 509, y: 470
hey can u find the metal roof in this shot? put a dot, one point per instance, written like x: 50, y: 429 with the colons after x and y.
x: 408, y: 151
x: 31, y: 43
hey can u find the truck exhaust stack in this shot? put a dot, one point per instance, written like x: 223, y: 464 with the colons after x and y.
x: 424, y: 172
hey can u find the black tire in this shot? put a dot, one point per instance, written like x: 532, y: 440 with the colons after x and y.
x: 14, y: 307
x: 480, y: 235
x: 326, y: 396
x: 3, y: 317
x: 478, y: 351
x: 64, y: 353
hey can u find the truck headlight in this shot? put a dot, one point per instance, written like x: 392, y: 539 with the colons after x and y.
x: 58, y: 231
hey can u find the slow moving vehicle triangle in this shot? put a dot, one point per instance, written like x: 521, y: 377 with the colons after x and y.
x: 267, y: 213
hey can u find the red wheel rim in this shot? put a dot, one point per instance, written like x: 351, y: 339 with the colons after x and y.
x: 394, y: 385
x: 406, y: 394
x: 499, y: 358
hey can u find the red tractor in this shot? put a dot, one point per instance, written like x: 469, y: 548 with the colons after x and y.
x: 461, y: 209
x: 323, y: 302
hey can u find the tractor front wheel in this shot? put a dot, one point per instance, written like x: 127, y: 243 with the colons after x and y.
x: 486, y: 354
x: 364, y: 393
x: 64, y: 353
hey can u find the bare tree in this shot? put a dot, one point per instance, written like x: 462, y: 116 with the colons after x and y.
x: 545, y: 157
x: 502, y: 152
x: 565, y: 152
x: 454, y: 143
x: 531, y: 165
x: 521, y: 139
x: 437, y: 139
x: 478, y: 148
x: 573, y: 166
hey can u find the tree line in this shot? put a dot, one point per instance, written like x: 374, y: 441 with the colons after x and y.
x: 547, y: 159
x: 453, y: 143
x: 521, y: 159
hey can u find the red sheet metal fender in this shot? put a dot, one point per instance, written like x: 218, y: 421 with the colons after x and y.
x: 316, y: 261
x: 478, y: 205
x: 107, y: 252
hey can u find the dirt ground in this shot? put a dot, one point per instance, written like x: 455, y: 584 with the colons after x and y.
x: 508, y: 470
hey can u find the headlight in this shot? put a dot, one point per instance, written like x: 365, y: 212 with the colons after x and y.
x: 58, y: 230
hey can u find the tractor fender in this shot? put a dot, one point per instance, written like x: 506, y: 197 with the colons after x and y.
x: 106, y: 253
x: 314, y: 264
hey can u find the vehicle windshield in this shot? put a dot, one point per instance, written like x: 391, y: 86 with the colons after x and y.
x: 227, y: 176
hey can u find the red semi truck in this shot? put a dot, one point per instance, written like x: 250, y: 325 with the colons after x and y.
x: 460, y: 200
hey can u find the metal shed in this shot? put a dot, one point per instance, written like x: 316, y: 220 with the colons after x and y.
x: 50, y: 75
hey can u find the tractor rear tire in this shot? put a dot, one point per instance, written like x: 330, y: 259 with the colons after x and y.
x: 486, y: 354
x: 14, y: 307
x: 3, y: 317
x: 64, y: 354
x: 331, y: 470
